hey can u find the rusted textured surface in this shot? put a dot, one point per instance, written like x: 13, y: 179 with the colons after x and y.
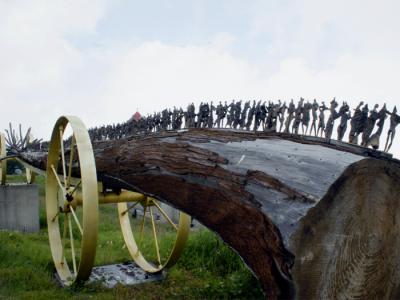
x: 253, y: 189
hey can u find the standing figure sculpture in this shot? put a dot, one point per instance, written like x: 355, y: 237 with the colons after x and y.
x: 237, y: 114
x: 281, y: 116
x: 297, y: 117
x: 345, y: 115
x: 321, y: 119
x: 272, y: 116
x: 175, y: 118
x: 314, y: 110
x: 243, y: 115
x: 354, y: 123
x: 250, y: 116
x: 231, y: 114
x: 291, y: 111
x: 165, y: 119
x: 200, y: 115
x: 264, y: 112
x: 268, y: 116
x: 220, y: 114
x: 210, y: 118
x: 394, y: 121
x: 373, y: 117
x: 191, y: 115
x: 373, y: 141
x: 331, y: 121
x: 257, y: 119
x: 306, y: 117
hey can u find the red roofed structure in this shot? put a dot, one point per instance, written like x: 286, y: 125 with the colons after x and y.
x: 137, y: 116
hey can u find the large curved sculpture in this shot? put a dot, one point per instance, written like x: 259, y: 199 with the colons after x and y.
x: 311, y: 218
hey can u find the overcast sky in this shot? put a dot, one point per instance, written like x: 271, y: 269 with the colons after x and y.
x: 101, y: 60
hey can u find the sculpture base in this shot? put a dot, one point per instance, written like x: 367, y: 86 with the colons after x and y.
x: 125, y: 274
x: 19, y: 207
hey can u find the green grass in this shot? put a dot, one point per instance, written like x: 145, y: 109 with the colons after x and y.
x: 207, y: 269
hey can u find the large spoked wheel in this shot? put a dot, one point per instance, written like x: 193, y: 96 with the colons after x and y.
x: 3, y: 163
x: 72, y: 225
x: 156, y: 245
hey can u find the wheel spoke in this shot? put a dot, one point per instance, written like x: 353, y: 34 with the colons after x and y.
x: 76, y: 219
x: 71, y: 158
x: 155, y: 236
x: 71, y: 237
x: 63, y: 238
x: 58, y: 180
x: 142, y: 227
x: 63, y: 155
x: 129, y: 208
x: 76, y: 187
x: 165, y: 215
x: 54, y: 218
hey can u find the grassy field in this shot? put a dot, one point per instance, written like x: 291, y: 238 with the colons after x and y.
x: 207, y: 269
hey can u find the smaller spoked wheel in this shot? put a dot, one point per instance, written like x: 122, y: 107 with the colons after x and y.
x: 71, y: 201
x: 3, y: 163
x: 154, y: 238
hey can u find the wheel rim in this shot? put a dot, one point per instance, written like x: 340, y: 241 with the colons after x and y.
x: 156, y: 260
x: 3, y: 163
x: 68, y: 223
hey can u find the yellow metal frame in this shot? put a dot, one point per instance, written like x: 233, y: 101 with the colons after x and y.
x: 76, y: 193
x: 30, y: 176
x: 3, y: 163
x: 90, y: 214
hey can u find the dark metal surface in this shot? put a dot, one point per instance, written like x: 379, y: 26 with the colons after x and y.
x: 124, y: 274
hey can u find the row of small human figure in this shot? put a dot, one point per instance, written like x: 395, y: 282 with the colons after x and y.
x: 275, y: 117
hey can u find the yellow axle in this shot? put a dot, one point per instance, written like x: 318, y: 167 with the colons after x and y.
x: 108, y: 198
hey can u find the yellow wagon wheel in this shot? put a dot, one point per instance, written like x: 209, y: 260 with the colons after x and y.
x: 145, y: 248
x: 72, y: 226
x: 3, y: 163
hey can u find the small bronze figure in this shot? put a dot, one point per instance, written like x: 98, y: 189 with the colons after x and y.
x: 305, y: 120
x: 373, y: 141
x: 345, y: 115
x: 394, y: 121
x: 321, y: 119
x: 297, y: 117
x: 314, y: 110
x: 373, y: 117
x: 250, y: 116
x: 281, y: 116
x: 331, y: 121
x: 289, y: 118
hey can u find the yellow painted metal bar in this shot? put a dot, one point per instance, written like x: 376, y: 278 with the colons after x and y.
x: 108, y: 198
x: 76, y: 219
x: 71, y: 237
x: 165, y: 214
x: 155, y: 237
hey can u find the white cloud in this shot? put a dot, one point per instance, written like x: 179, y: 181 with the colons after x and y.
x: 43, y: 74
x: 37, y: 60
x: 153, y: 76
